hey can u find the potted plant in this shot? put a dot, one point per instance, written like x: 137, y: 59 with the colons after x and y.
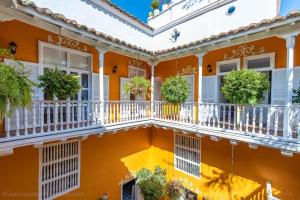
x: 15, y: 86
x: 56, y: 83
x: 246, y: 87
x: 174, y: 190
x: 136, y: 87
x: 151, y: 184
x: 175, y: 90
x: 155, y: 5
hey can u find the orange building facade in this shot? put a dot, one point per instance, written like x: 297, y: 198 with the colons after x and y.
x: 229, y: 168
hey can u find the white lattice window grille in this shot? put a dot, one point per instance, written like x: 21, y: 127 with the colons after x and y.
x: 187, y: 154
x: 59, y: 169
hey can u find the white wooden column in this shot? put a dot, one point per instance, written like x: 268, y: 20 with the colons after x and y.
x: 101, y: 81
x: 290, y: 44
x: 200, y: 75
x: 152, y: 88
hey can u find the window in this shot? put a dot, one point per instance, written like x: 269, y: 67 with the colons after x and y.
x: 187, y: 154
x: 261, y: 62
x: 59, y: 169
x: 69, y: 61
x: 135, y: 71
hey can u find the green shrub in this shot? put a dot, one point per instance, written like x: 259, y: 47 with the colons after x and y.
x: 155, y: 4
x: 56, y: 83
x: 136, y: 86
x: 15, y: 87
x: 175, y: 90
x: 245, y: 87
x: 151, y: 183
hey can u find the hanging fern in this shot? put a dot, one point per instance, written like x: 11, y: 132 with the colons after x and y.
x: 15, y: 86
x: 56, y: 83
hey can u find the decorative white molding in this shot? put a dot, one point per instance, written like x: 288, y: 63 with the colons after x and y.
x: 63, y: 41
x: 188, y: 70
x: 243, y: 51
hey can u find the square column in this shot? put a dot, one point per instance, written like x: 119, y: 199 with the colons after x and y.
x: 101, y: 82
x: 290, y: 44
x: 200, y: 75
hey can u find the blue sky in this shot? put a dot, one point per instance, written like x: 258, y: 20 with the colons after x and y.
x: 141, y: 8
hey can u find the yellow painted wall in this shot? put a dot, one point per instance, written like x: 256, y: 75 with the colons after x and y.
x: 105, y: 162
x: 251, y: 168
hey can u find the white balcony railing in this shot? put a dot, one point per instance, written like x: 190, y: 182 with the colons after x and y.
x: 47, y: 117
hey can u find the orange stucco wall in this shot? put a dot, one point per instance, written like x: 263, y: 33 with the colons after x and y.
x: 27, y: 36
x: 297, y: 51
x: 105, y: 162
x: 251, y: 168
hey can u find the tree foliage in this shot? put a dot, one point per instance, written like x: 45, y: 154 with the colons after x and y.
x: 15, y: 86
x: 245, y: 87
x: 152, y: 183
x: 137, y: 86
x: 175, y: 90
x: 56, y: 83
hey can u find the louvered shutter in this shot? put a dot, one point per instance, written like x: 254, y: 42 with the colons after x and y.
x: 123, y: 96
x: 32, y: 69
x: 209, y: 89
x: 279, y: 87
x: 95, y: 87
x: 296, y: 76
x: 106, y: 88
x: 157, y: 88
x: 190, y: 80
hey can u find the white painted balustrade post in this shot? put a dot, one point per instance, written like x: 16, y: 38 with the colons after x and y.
x: 200, y: 67
x: 290, y: 44
x: 101, y: 81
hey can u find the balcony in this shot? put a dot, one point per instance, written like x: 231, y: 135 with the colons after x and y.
x: 58, y: 120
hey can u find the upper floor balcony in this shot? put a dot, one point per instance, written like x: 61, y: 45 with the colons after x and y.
x: 267, y: 125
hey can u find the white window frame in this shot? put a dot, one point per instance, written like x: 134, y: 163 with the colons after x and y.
x: 130, y: 67
x: 266, y: 55
x: 237, y: 61
x: 219, y: 63
x: 186, y: 160
x: 66, y: 68
x: 56, y: 159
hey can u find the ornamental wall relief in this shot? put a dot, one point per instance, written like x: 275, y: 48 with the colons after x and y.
x: 243, y: 51
x: 188, y: 70
x: 67, y: 42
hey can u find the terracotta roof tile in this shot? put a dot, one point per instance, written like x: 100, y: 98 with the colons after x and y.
x: 241, y: 29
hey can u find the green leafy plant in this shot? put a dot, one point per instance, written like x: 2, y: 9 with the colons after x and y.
x: 56, y: 83
x: 151, y: 183
x: 174, y: 190
x: 155, y: 4
x: 296, y: 97
x: 245, y: 87
x: 15, y: 86
x: 175, y: 90
x: 136, y: 87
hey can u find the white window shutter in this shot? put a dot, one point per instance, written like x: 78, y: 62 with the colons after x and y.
x: 209, y: 89
x: 32, y: 68
x: 95, y: 86
x: 190, y: 80
x: 123, y: 96
x: 296, y: 76
x: 157, y: 89
x: 106, y: 88
x: 279, y: 87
